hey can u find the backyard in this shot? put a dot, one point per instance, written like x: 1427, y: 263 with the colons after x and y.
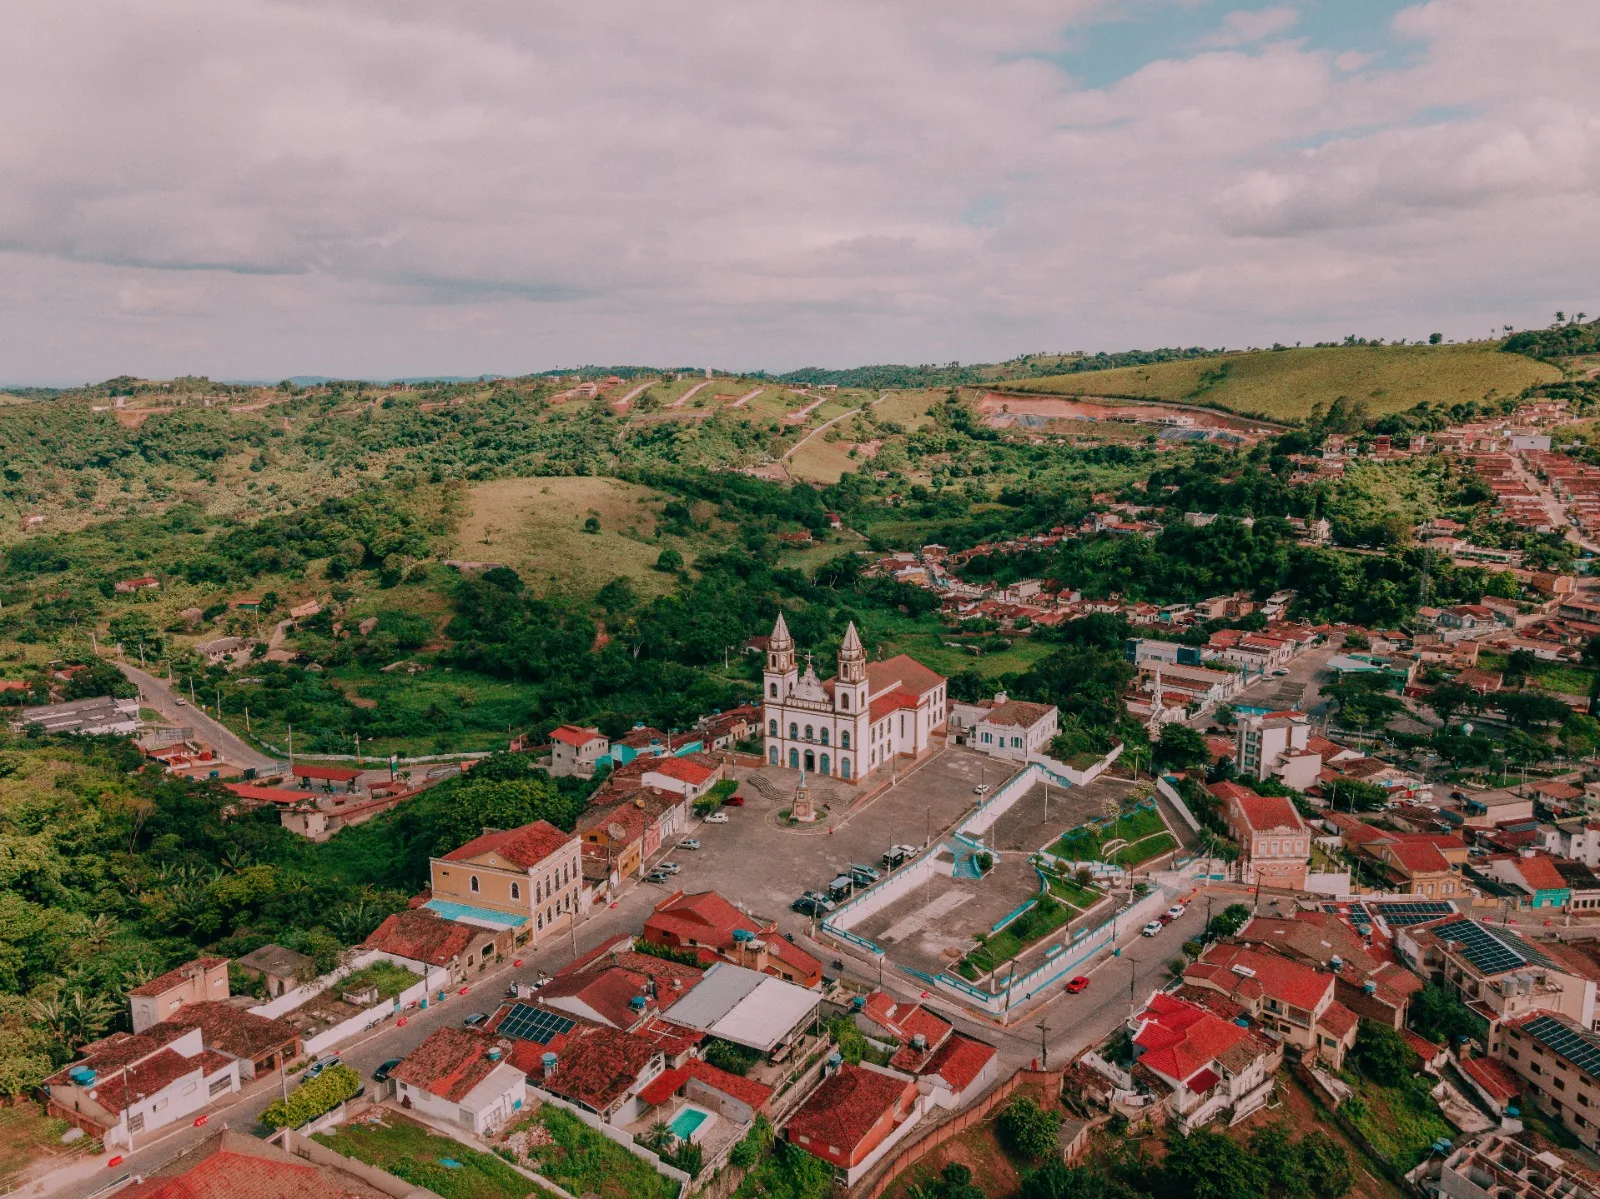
x: 27, y: 1135
x: 388, y: 978
x: 444, y: 1166
x: 580, y: 1160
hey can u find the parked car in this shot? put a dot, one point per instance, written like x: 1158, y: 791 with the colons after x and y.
x: 180, y: 701
x: 1077, y: 983
x: 896, y: 855
x: 1175, y: 911
x: 841, y: 888
x: 657, y: 876
x: 689, y: 843
x: 669, y: 867
x: 981, y: 789
x: 734, y: 801
x: 317, y: 1067
x: 381, y: 1074
x: 812, y: 903
x: 475, y: 1019
x: 863, y: 876
x: 717, y: 818
x: 1151, y: 929
x: 1279, y: 673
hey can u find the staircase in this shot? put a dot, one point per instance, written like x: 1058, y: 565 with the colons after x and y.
x: 966, y: 861
x: 764, y: 785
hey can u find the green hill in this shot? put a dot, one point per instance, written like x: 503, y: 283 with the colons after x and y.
x: 1284, y: 384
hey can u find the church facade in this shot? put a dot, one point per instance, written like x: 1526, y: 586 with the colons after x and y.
x: 855, y: 723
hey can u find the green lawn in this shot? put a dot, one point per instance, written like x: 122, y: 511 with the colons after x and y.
x: 410, y: 1152
x: 1032, y: 926
x: 1142, y: 851
x: 1068, y: 891
x: 1552, y: 676
x: 386, y: 976
x: 1400, y: 1123
x: 1083, y: 844
x: 583, y: 1162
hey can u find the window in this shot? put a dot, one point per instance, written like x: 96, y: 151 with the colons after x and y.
x: 772, y: 690
x: 844, y: 739
x: 1016, y: 743
x: 473, y: 882
x: 538, y: 917
x: 810, y: 736
x: 218, y: 1085
x: 516, y: 890
x: 987, y: 738
x: 772, y: 728
x: 824, y: 737
x: 844, y: 700
x: 794, y: 731
x: 772, y: 756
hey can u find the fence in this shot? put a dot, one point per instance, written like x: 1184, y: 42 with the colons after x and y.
x: 1170, y: 794
x: 613, y: 1134
x: 883, y: 1177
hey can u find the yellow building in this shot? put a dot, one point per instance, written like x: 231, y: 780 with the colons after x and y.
x: 527, y: 878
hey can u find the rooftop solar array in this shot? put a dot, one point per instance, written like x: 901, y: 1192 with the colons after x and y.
x: 1580, y: 1048
x: 1491, y: 952
x: 1401, y: 915
x: 528, y: 1023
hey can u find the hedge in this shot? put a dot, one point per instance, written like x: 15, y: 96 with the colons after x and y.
x: 311, y: 1099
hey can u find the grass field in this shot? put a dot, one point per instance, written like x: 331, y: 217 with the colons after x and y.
x: 535, y: 526
x: 1284, y: 384
x: 909, y: 409
x: 412, y: 1153
x: 821, y: 461
x: 1552, y: 676
x: 582, y: 1162
x: 27, y: 1135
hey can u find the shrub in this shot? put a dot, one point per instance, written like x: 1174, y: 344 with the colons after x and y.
x: 311, y: 1099
x: 1027, y: 1129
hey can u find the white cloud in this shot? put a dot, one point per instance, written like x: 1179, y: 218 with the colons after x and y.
x: 1243, y: 26
x: 351, y: 186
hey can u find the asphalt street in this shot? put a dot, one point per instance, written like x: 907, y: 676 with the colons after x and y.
x: 164, y: 698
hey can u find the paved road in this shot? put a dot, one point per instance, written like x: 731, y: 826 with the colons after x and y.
x: 156, y: 693
x: 1552, y: 506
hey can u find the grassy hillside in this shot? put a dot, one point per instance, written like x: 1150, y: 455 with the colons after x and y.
x: 1285, y: 384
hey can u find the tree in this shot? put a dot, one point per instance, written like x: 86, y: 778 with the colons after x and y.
x: 1382, y: 1054
x: 1449, y: 698
x: 1520, y: 663
x: 1364, y: 702
x: 1527, y: 709
x: 1057, y: 1180
x: 1438, y: 1014
x: 1276, y: 1150
x: 1327, y: 1166
x: 1181, y: 747
x: 1353, y: 795
x: 1208, y: 1165
x: 1229, y: 921
x: 669, y: 561
x: 591, y: 525
x: 1028, y: 1129
x: 1435, y: 338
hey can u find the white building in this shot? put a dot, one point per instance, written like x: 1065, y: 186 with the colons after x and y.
x: 457, y: 1075
x: 1275, y: 745
x: 851, y: 725
x: 1017, y: 730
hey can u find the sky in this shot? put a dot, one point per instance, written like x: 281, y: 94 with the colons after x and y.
x: 384, y: 188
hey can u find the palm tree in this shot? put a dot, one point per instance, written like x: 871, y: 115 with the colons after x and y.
x: 659, y: 1137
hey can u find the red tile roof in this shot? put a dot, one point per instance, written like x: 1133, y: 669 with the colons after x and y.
x: 574, y: 735
x: 684, y: 770
x: 231, y: 1165
x: 174, y: 978
x: 844, y: 1109
x: 448, y: 1064
x: 910, y: 675
x: 671, y: 1039
x: 1425, y: 1049
x: 1495, y: 1077
x: 120, y: 1089
x: 1228, y: 789
x: 1271, y: 975
x: 1263, y: 812
x: 1338, y: 1019
x: 1018, y: 714
x: 268, y: 794
x: 895, y: 701
x: 1180, y: 1038
x: 608, y: 993
x: 960, y: 1060
x: 332, y: 774
x: 707, y: 918
x: 421, y: 935
x: 236, y: 1031
x: 746, y: 1090
x: 1415, y: 858
x: 598, y: 1065
x: 1540, y: 873
x: 526, y: 846
x: 906, y: 1020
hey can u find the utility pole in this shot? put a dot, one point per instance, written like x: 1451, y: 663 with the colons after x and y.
x: 192, y: 701
x: 1044, y: 1045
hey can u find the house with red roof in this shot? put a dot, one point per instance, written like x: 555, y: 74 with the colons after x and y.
x: 1417, y: 866
x: 612, y: 995
x: 445, y: 952
x: 950, y: 1068
x: 458, y: 1075
x: 1290, y: 1001
x: 737, y: 1099
x: 193, y: 982
x: 527, y: 879
x: 690, y: 776
x: 602, y: 1069
x: 1533, y: 874
x: 706, y: 922
x: 1274, y: 840
x: 1367, y: 979
x: 575, y: 750
x: 855, y: 1117
x: 1200, y: 1063
x: 128, y: 1085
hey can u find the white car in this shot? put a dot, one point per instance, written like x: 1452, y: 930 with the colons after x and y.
x: 1151, y: 929
x: 717, y: 818
x: 981, y: 789
x: 669, y: 868
x: 1174, y: 911
x: 689, y: 843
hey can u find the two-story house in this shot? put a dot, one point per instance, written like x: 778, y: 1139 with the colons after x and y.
x: 1291, y: 1002
x: 1274, y: 840
x: 528, y: 878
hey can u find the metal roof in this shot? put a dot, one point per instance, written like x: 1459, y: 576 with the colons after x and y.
x: 742, y: 1006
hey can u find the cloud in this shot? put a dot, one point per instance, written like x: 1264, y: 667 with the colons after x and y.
x: 273, y: 187
x: 1243, y: 26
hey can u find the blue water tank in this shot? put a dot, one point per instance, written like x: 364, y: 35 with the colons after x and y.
x: 548, y: 1062
x: 743, y: 934
x: 835, y: 1061
x: 82, y: 1075
x: 858, y: 1003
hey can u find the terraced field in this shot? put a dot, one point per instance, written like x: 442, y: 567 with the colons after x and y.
x: 1285, y: 384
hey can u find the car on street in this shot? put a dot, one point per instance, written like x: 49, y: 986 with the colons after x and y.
x: 897, y: 855
x: 863, y: 876
x: 318, y: 1067
x: 717, y: 818
x: 1151, y: 929
x: 812, y: 903
x: 657, y: 876
x: 689, y: 843
x: 981, y: 789
x: 180, y: 701
x: 475, y: 1019
x: 1077, y: 983
x: 1175, y: 911
x: 841, y: 888
x: 669, y: 867
x: 734, y: 801
x: 381, y: 1074
x: 1279, y: 673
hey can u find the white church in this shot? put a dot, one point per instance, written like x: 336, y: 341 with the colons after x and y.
x: 855, y: 723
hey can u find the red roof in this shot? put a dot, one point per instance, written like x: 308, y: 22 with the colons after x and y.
x: 1540, y: 873
x: 598, y: 1065
x: 1425, y: 1049
x: 608, y: 993
x: 683, y: 770
x: 906, y: 1020
x: 332, y: 774
x: 526, y: 846
x: 746, y: 1090
x: 232, y: 1165
x: 905, y: 672
x: 575, y: 736
x: 895, y: 701
x: 1271, y: 974
x: 1264, y: 812
x: 1338, y: 1019
x: 449, y: 1063
x: 1422, y: 858
x: 1495, y: 1077
x: 120, y: 1089
x: 421, y: 935
x: 268, y: 794
x: 1180, y: 1038
x: 1228, y: 789
x: 234, y: 1030
x: 846, y: 1107
x: 960, y: 1060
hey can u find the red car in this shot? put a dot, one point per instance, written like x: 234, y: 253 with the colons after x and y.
x: 1077, y: 984
x: 734, y: 801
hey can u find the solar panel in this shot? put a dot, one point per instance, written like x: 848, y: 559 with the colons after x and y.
x: 1492, y: 953
x: 1402, y: 915
x: 537, y: 1024
x: 1580, y: 1048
